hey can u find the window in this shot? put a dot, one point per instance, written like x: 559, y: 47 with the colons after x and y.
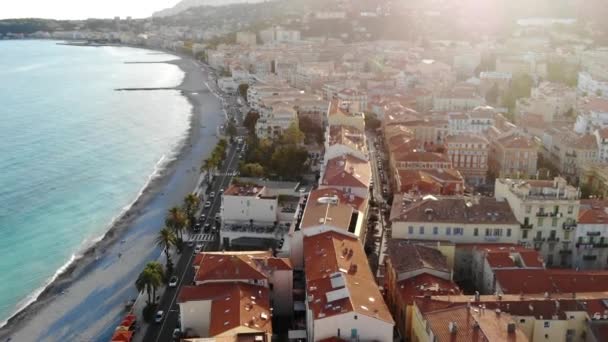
x: 528, y: 209
x: 554, y: 222
x: 497, y: 232
x: 547, y: 324
x: 448, y: 231
x: 410, y: 230
x: 421, y: 230
x: 508, y: 231
x: 540, y: 222
x: 567, y: 235
x: 435, y: 230
x: 522, y: 321
x: 458, y: 231
x: 524, y: 234
x: 353, y: 333
x: 488, y: 232
x: 476, y: 232
x: 570, y: 209
x: 539, y: 235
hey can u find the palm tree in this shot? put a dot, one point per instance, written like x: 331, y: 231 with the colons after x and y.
x: 149, y: 280
x: 191, y: 205
x: 177, y: 221
x: 165, y: 240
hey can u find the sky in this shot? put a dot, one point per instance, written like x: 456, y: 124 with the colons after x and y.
x: 81, y: 9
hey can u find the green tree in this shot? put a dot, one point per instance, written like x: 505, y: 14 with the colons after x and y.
x: 292, y: 135
x: 177, y: 220
x: 191, y: 206
x: 313, y: 132
x: 250, y: 120
x: 372, y: 122
x: 252, y: 170
x: 521, y: 87
x: 243, y: 87
x: 231, y: 129
x: 149, y: 280
x: 289, y: 161
x: 166, y: 239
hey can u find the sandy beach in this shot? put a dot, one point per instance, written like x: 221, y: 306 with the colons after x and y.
x: 86, y: 302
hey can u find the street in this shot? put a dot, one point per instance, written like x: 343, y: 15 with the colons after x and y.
x: 183, y: 268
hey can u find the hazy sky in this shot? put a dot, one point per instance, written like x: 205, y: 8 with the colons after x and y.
x: 81, y: 9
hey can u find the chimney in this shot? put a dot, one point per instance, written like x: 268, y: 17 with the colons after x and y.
x: 511, y: 328
x: 477, y: 296
x: 452, y: 327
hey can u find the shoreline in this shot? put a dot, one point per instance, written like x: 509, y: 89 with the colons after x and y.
x: 86, y: 260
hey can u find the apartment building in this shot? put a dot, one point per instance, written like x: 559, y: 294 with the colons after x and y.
x: 275, y: 119
x: 457, y: 219
x: 476, y: 121
x: 343, y: 300
x: 246, y: 38
x: 413, y: 269
x: 345, y: 140
x: 590, y: 84
x: 591, y: 236
x: 592, y: 114
x: 343, y: 113
x: 461, y: 97
x: 548, y: 211
x: 348, y: 174
x: 549, y: 99
x: 513, y: 155
x: 469, y: 155
x: 236, y: 293
x: 569, y: 151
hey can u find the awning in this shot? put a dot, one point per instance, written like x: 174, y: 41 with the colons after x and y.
x: 122, y: 336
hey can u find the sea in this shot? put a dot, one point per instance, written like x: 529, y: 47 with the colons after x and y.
x: 74, y: 152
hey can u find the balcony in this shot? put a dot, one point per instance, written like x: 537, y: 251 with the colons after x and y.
x: 594, y: 233
x: 571, y: 225
x: 553, y: 239
x: 542, y: 214
x: 565, y: 251
x: 600, y: 245
x: 526, y: 226
x: 539, y: 239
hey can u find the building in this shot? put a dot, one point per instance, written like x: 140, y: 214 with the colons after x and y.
x: 589, y: 84
x: 457, y: 219
x: 591, y: 236
x: 235, y: 293
x: 354, y: 97
x: 277, y: 34
x: 476, y: 121
x: 256, y: 216
x: 548, y: 211
x: 246, y: 38
x: 501, y: 81
x: 513, y: 155
x: 551, y: 100
x: 275, y: 120
x: 459, y: 98
x: 464, y: 323
x: 592, y: 114
x: 327, y: 210
x: 348, y: 174
x: 414, y: 269
x: 343, y: 299
x: 343, y: 113
x: 469, y: 155
x: 569, y: 151
x: 344, y: 140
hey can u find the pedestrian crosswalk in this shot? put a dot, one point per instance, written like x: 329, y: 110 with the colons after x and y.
x: 202, y: 237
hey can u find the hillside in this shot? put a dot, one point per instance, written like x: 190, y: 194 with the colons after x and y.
x: 187, y: 4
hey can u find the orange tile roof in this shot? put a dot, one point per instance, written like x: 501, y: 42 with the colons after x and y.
x: 425, y: 284
x: 406, y: 256
x: 347, y: 171
x: 213, y: 266
x: 491, y: 327
x: 243, y: 190
x: 500, y: 260
x: 586, y: 142
x: 347, y: 135
x: 338, y: 278
x: 421, y: 156
x: 593, y: 213
x: 516, y: 141
x: 532, y: 258
x: 551, y: 281
x: 232, y: 305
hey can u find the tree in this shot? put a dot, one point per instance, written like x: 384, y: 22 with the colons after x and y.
x: 191, y: 205
x: 252, y: 170
x: 231, y: 129
x: 250, y: 120
x: 149, y: 280
x: 243, y: 87
x: 289, y: 161
x: 521, y: 86
x: 177, y: 221
x: 372, y: 122
x: 166, y: 240
x: 313, y: 132
x: 292, y: 135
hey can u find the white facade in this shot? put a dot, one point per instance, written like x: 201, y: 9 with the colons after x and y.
x: 196, y: 315
x: 587, y: 85
x: 456, y: 232
x: 244, y: 208
x: 350, y: 326
x: 274, y: 121
x: 547, y: 211
x: 591, y: 250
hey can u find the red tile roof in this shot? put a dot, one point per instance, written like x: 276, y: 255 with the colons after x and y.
x: 500, y: 260
x: 213, y: 266
x: 532, y: 258
x: 535, y: 281
x: 425, y: 284
x: 516, y: 141
x: 338, y: 278
x: 347, y: 171
x: 406, y: 256
x: 332, y: 207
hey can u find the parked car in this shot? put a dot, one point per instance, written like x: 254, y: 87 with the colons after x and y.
x: 198, y: 248
x: 177, y: 334
x: 207, y: 227
x: 212, y: 194
x: 207, y: 204
x: 173, y: 281
x: 202, y: 217
x: 159, y: 316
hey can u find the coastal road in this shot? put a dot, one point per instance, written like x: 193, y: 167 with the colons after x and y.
x: 184, y: 270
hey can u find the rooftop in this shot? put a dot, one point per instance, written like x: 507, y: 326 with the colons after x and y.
x: 213, y: 266
x: 347, y: 171
x: 551, y: 281
x: 407, y: 256
x: 243, y: 189
x: 338, y: 278
x: 232, y: 305
x: 455, y: 209
x: 331, y: 207
x: 425, y: 284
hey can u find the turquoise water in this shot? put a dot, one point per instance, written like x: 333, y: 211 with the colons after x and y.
x: 74, y: 153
